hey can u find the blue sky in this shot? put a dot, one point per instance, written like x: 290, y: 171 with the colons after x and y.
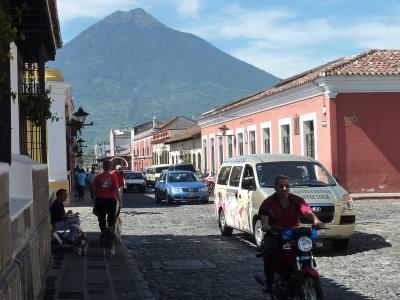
x: 283, y: 37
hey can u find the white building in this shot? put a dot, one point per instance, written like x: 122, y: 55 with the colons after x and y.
x: 62, y: 106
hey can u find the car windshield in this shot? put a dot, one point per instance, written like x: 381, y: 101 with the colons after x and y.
x: 133, y: 176
x: 160, y: 169
x: 301, y: 174
x: 182, y: 177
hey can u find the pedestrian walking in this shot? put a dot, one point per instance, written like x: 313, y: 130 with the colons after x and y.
x: 120, y: 174
x: 90, y: 176
x: 105, y: 187
x: 81, y: 180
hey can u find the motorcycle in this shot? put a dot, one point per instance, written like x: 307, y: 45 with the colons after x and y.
x: 295, y: 276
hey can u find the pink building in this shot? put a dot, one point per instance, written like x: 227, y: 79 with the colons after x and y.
x: 342, y: 113
x: 142, y: 145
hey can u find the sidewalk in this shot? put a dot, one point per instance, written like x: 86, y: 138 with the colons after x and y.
x: 94, y: 276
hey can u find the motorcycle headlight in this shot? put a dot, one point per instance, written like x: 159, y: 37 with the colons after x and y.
x: 347, y: 202
x: 304, y: 244
x: 176, y: 190
x: 204, y: 189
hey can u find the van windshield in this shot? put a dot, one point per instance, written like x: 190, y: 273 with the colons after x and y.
x: 149, y: 171
x: 160, y: 169
x: 301, y: 174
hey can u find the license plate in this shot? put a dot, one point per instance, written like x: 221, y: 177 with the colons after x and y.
x: 192, y: 194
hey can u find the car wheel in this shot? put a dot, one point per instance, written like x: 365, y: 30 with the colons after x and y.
x: 225, y: 230
x: 157, y: 198
x: 168, y: 198
x: 340, y: 244
x: 258, y: 234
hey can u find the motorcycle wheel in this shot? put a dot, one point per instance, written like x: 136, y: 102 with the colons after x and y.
x: 258, y: 235
x: 311, y: 289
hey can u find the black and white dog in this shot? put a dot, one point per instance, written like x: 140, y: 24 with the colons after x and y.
x: 108, y: 239
x: 81, y: 243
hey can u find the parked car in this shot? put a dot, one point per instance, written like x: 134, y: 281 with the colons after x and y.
x: 135, y: 181
x: 182, y: 166
x: 180, y: 186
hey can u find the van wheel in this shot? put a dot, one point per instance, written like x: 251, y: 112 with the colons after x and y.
x: 258, y: 235
x: 225, y: 230
x: 340, y: 244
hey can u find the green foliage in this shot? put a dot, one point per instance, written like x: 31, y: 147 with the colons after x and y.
x: 37, y: 107
x: 8, y: 34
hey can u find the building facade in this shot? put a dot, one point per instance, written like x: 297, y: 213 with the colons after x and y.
x: 340, y: 113
x: 142, y: 145
x: 120, y: 148
x: 25, y: 237
x: 60, y: 157
x: 185, y: 146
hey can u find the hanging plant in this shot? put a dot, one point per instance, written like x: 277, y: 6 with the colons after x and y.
x: 37, y: 107
x: 8, y: 34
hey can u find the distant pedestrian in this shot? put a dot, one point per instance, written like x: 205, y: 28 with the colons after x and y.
x: 90, y: 176
x: 81, y: 178
x: 120, y: 174
x: 105, y: 187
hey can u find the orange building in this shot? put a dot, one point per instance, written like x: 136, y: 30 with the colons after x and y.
x: 343, y: 113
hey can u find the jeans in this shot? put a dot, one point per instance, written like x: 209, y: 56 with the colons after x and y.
x: 67, y: 224
x: 273, y: 247
x: 106, y: 208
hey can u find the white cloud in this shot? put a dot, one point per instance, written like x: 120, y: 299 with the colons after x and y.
x: 188, y: 7
x: 278, y: 41
x: 71, y: 9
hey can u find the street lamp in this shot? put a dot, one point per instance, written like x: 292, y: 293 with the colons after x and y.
x: 80, y: 116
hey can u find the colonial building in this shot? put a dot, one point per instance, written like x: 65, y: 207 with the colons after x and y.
x: 24, y: 187
x: 342, y: 113
x: 167, y: 130
x: 185, y: 146
x: 120, y: 148
x: 142, y: 146
x: 60, y: 150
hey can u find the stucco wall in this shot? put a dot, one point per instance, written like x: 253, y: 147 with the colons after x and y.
x: 306, y: 108
x: 368, y: 142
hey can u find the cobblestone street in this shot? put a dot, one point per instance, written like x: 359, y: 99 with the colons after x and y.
x: 182, y: 255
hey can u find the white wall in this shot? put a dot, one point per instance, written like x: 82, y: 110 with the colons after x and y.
x: 57, y: 145
x: 14, y: 102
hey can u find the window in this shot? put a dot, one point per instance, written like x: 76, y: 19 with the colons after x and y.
x: 199, y: 161
x: 220, y: 150
x: 194, y: 160
x: 235, y: 176
x: 285, y: 139
x: 212, y: 149
x: 223, y: 175
x: 205, y: 154
x: 266, y: 139
x: 240, y: 143
x: 252, y: 141
x: 230, y: 146
x: 248, y: 173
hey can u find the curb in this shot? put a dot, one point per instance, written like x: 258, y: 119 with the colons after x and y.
x: 137, y: 275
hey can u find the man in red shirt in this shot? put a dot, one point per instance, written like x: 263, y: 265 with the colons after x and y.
x: 281, y: 209
x: 120, y: 174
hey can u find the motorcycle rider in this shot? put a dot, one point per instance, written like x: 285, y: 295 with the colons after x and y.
x: 283, y: 210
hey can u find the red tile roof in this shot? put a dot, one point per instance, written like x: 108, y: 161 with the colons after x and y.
x: 373, y: 62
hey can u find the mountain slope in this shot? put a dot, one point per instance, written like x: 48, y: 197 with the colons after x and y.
x: 128, y: 67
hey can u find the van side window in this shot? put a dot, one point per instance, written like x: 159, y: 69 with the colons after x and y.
x: 223, y: 175
x: 235, y: 176
x: 248, y: 173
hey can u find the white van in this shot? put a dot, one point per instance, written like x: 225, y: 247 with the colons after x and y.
x: 153, y: 173
x: 244, y: 182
